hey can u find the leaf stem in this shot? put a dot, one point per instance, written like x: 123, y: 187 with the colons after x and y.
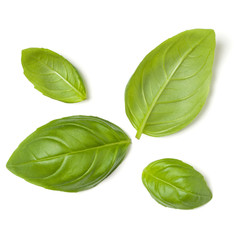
x: 139, y: 133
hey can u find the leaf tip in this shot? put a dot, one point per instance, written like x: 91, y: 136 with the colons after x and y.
x: 211, y: 32
x: 81, y: 98
x: 9, y: 166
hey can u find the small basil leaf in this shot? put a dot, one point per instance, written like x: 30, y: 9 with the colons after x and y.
x: 175, y: 184
x: 171, y: 84
x: 70, y: 154
x: 53, y: 75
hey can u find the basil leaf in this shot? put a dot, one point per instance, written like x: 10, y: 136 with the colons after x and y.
x: 70, y: 154
x: 171, y: 84
x: 175, y: 184
x: 53, y: 75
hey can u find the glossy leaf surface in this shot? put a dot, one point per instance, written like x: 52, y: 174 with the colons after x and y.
x: 171, y: 84
x: 176, y: 184
x: 70, y: 154
x: 53, y: 75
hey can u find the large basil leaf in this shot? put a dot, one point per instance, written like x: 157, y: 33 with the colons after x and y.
x: 70, y: 154
x: 53, y: 75
x: 175, y: 184
x: 171, y: 84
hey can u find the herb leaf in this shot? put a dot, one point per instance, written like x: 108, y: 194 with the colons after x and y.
x: 171, y: 84
x: 53, y: 75
x: 70, y: 154
x: 176, y: 184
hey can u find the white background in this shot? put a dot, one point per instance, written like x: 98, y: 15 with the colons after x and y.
x: 106, y: 40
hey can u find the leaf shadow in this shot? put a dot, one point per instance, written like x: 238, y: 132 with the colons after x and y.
x: 84, y: 83
x: 83, y: 77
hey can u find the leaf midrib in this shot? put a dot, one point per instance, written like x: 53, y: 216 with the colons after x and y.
x: 171, y: 185
x: 142, y: 125
x: 74, y: 152
x: 59, y: 75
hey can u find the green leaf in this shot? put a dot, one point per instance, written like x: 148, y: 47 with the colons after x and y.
x: 70, y: 154
x: 176, y: 184
x: 171, y: 84
x: 53, y: 75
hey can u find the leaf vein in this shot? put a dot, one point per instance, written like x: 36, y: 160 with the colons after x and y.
x: 60, y: 76
x: 75, y: 152
x: 176, y: 187
x: 143, y: 123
